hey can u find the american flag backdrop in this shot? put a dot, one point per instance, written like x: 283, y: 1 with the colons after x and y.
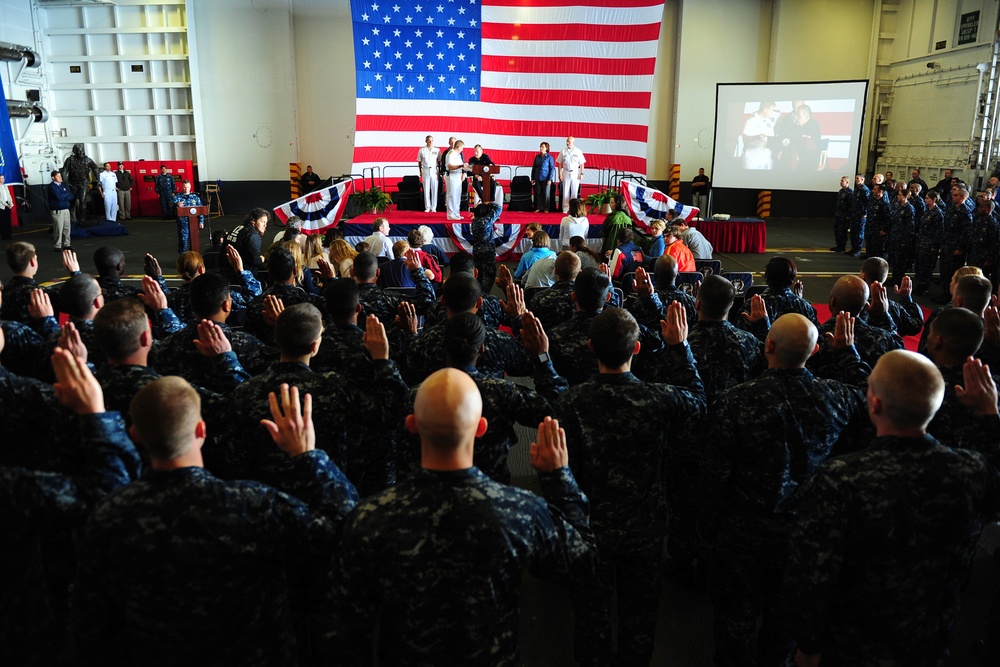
x: 505, y: 74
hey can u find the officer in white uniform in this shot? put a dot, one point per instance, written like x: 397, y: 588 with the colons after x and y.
x: 427, y: 160
x: 570, y: 161
x: 109, y: 190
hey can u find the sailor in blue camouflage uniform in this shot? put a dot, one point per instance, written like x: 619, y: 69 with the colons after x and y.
x: 384, y: 304
x: 165, y: 186
x: 186, y: 199
x: 617, y: 429
x: 23, y: 262
x: 955, y: 335
x: 878, y: 221
x: 726, y: 356
x: 123, y: 334
x: 436, y: 562
x: 554, y: 305
x: 37, y: 506
x: 353, y: 419
x: 930, y: 231
x: 242, y: 292
x: 902, y: 237
x: 484, y: 249
x: 110, y: 264
x: 769, y: 435
x: 859, y: 214
x: 503, y: 354
x: 884, y: 537
x: 182, y: 567
x: 850, y: 295
x: 779, y: 298
x: 505, y: 403
x: 343, y: 347
x: 984, y: 250
x: 281, y: 267
x: 177, y: 355
x: 957, y: 235
x: 664, y: 280
x: 842, y: 215
x: 26, y: 346
x: 916, y: 199
x: 903, y: 316
x: 491, y: 310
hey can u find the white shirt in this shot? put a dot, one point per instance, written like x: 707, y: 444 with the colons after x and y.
x: 455, y: 159
x: 5, y: 200
x: 571, y: 159
x: 428, y: 157
x: 570, y: 227
x: 108, y: 183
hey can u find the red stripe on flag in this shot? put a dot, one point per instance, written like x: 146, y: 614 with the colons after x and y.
x: 395, y: 155
x: 613, y: 4
x: 648, y: 32
x: 612, y: 100
x: 513, y: 128
x: 604, y: 66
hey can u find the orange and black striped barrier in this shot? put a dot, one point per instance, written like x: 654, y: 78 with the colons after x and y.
x: 294, y: 171
x: 764, y: 204
x: 675, y: 182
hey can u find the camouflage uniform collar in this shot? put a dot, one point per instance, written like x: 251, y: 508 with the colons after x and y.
x: 615, y: 378
x: 896, y: 442
x: 176, y: 474
x: 463, y: 476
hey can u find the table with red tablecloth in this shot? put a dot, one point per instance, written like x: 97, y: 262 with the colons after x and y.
x: 735, y: 234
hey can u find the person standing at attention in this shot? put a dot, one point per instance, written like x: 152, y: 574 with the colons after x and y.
x: 427, y: 159
x: 570, y: 161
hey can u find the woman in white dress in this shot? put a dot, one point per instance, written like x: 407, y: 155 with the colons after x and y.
x: 574, y: 224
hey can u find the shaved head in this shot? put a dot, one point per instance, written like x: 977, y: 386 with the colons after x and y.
x: 791, y: 341
x: 908, y: 388
x: 447, y: 410
x: 849, y: 294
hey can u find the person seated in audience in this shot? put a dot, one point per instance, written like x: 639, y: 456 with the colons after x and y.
x: 44, y: 503
x: 569, y: 342
x: 647, y: 312
x: 768, y: 436
x: 659, y: 245
x: 182, y: 553
x: 726, y: 356
x: 554, y: 305
x: 210, y: 300
x: 850, y: 295
x: 955, y: 335
x: 694, y: 240
x: 970, y: 290
x: 123, y: 333
x: 22, y: 259
x: 395, y: 272
x: 617, y: 428
x: 435, y: 562
x: 348, y: 414
x: 505, y: 403
x: 884, y: 537
x: 283, y: 270
x: 541, y: 274
x: 384, y: 304
x: 304, y: 278
x: 503, y: 354
x: 539, y: 249
x: 215, y: 256
x: 493, y: 311
x: 575, y: 223
x: 783, y: 295
x: 314, y: 251
x: 424, y: 240
x: 614, y: 222
x: 675, y: 248
x: 588, y: 258
x: 904, y: 315
x: 627, y: 256
x: 427, y: 260
x: 342, y: 258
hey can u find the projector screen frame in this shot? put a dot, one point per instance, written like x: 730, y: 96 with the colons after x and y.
x: 721, y: 139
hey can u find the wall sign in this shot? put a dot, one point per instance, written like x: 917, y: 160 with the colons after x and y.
x: 968, y: 28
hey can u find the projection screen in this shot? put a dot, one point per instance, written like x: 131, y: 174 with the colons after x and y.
x: 787, y: 136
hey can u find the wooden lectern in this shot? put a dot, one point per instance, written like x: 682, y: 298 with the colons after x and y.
x: 192, y: 213
x: 486, y: 171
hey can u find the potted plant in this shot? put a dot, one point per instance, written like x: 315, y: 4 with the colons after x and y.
x: 374, y: 199
x: 600, y: 202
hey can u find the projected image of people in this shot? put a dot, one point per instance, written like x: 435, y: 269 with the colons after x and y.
x: 799, y: 140
x: 754, y: 144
